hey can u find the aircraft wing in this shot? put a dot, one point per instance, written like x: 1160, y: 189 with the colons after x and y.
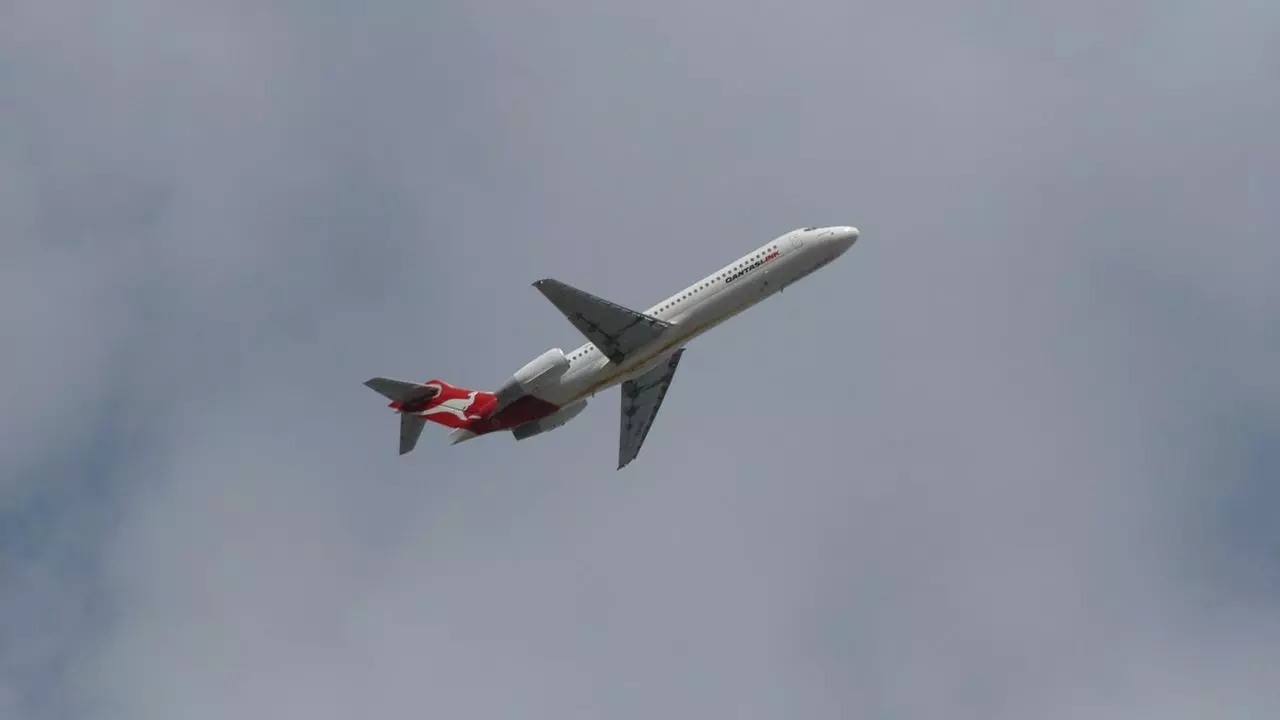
x: 615, y: 330
x: 641, y: 400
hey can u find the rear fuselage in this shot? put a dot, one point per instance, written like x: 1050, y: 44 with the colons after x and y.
x: 692, y: 311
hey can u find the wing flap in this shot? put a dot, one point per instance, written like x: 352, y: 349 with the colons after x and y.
x: 641, y: 400
x: 617, y: 331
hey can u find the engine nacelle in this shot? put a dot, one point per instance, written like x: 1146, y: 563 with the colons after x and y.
x: 550, y: 422
x: 543, y: 371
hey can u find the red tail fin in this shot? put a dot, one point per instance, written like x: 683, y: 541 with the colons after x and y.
x: 457, y: 407
x: 437, y: 401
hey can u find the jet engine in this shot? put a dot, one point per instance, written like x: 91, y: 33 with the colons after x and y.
x: 550, y: 422
x: 543, y: 371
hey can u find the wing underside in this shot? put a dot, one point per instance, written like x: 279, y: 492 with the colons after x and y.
x: 641, y: 400
x: 617, y: 331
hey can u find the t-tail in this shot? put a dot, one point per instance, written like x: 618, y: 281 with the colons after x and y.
x: 435, y: 400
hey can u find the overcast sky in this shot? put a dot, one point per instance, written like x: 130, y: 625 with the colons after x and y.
x: 1016, y: 455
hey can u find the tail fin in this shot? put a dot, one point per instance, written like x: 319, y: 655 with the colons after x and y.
x: 437, y: 401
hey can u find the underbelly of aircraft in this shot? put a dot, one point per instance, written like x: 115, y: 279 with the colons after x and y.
x: 524, y: 410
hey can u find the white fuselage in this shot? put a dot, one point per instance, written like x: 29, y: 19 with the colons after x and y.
x: 705, y: 304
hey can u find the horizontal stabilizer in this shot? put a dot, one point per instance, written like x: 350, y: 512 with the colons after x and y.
x: 410, y: 430
x: 400, y: 391
x: 460, y: 435
x: 617, y: 331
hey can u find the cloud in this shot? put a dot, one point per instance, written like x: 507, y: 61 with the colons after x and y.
x: 979, y: 467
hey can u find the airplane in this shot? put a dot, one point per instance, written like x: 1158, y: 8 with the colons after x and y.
x: 637, y: 350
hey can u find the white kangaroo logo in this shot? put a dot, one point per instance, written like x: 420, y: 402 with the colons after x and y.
x: 456, y: 407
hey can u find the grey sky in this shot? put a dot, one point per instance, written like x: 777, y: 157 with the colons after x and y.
x: 1014, y: 456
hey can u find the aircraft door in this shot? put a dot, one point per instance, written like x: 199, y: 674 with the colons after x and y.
x: 787, y: 246
x: 768, y: 273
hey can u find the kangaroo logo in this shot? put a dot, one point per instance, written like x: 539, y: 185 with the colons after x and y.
x: 457, y: 406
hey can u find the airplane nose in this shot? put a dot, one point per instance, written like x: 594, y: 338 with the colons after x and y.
x: 844, y: 237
